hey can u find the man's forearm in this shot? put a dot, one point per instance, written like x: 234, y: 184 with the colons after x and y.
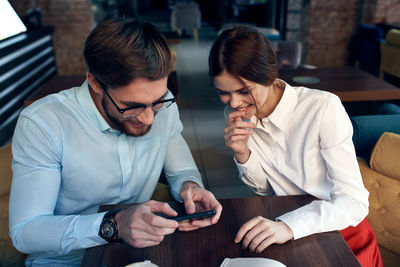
x: 59, y: 234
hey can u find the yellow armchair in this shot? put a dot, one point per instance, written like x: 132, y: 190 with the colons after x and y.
x: 390, y: 54
x: 9, y: 256
x: 382, y: 179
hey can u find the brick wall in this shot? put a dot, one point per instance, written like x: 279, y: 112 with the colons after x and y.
x: 325, y: 27
x: 72, y: 21
x: 387, y: 11
x: 331, y: 26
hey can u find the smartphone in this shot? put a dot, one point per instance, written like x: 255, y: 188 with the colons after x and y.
x: 198, y: 215
x: 182, y: 215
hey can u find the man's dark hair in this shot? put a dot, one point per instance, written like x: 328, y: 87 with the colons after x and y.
x: 120, y: 50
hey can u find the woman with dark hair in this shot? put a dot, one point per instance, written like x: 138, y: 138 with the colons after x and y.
x: 289, y: 141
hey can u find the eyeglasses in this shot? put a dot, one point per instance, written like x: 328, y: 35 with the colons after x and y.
x: 133, y: 111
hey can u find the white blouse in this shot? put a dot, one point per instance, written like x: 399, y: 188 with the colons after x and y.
x: 305, y: 147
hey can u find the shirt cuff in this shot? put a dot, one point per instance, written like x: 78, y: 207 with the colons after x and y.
x: 176, y: 187
x: 250, y: 164
x: 87, y: 232
x: 292, y: 220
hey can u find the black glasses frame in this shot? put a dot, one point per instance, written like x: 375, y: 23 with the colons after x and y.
x: 123, y: 110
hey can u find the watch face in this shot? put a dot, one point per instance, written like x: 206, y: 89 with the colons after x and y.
x: 108, y: 229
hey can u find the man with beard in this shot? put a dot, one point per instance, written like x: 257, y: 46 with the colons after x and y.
x: 105, y: 142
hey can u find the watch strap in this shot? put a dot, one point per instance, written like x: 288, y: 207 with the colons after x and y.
x: 110, y: 215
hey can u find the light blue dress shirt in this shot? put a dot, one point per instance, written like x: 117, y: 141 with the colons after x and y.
x: 67, y: 161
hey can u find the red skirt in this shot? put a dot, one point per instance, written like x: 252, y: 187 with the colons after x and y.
x: 361, y: 239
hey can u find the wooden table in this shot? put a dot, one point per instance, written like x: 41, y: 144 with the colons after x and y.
x: 209, y: 246
x: 348, y: 83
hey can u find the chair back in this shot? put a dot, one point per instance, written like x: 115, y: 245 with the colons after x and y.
x: 367, y: 129
x: 186, y: 16
x: 390, y: 54
x: 288, y: 53
x: 5, y: 169
x: 393, y: 37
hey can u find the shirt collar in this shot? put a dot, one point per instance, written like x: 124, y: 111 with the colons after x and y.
x: 89, y: 108
x: 282, y: 113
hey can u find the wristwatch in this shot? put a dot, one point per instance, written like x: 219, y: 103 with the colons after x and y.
x: 108, y: 227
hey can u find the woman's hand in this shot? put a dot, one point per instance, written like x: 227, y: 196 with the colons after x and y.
x: 237, y: 134
x: 258, y: 233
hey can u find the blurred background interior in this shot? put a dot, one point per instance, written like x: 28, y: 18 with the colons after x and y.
x: 305, y: 34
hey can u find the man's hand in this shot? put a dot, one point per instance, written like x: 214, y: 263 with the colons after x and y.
x: 258, y: 233
x: 197, y: 199
x: 140, y: 227
x: 237, y: 134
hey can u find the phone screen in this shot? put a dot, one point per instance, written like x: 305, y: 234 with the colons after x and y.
x: 198, y: 215
x: 182, y: 215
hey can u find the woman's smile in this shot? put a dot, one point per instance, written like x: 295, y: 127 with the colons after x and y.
x: 242, y: 108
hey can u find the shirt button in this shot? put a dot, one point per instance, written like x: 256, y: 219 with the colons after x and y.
x: 382, y: 210
x: 376, y: 185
